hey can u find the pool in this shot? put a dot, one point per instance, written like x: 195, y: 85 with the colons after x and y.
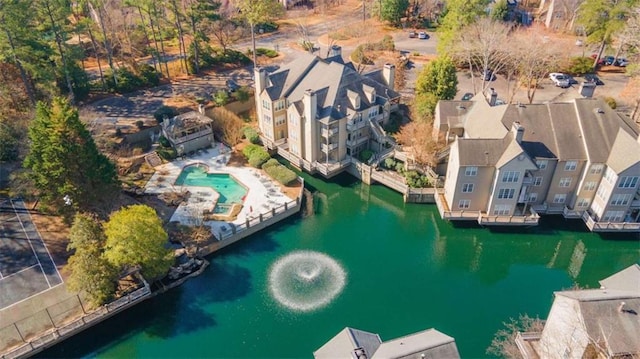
x: 230, y: 190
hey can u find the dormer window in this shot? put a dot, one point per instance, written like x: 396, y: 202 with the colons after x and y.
x: 354, y: 98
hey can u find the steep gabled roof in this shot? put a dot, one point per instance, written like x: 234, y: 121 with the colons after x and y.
x: 330, y: 80
x: 599, y: 125
x: 626, y: 279
x: 625, y: 152
x: 429, y: 343
x: 343, y: 344
x: 483, y: 120
x: 481, y: 152
x: 513, y: 150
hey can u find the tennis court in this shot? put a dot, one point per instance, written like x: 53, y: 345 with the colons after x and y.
x: 26, y: 267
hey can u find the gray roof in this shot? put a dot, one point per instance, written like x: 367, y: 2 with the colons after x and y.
x: 482, y: 152
x: 343, y: 344
x: 483, y: 120
x: 330, y: 80
x: 616, y: 330
x: 430, y: 343
x: 453, y: 112
x: 600, y: 125
x: 625, y: 152
x: 627, y: 279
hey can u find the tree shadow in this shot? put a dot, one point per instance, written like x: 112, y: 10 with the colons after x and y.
x: 232, y: 282
x: 163, y: 317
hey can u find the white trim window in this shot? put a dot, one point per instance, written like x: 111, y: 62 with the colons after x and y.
x: 559, y: 198
x: 565, y: 182
x: 533, y: 197
x: 590, y: 186
x: 467, y: 187
x: 266, y: 104
x: 620, y: 199
x: 602, y: 193
x: 613, y: 216
x: 628, y: 182
x: 571, y: 165
x: 280, y: 105
x: 542, y: 164
x: 471, y: 171
x: 609, y: 175
x: 537, y: 181
x: 582, y: 202
x: 502, y: 210
x: 506, y: 193
x: 596, y: 169
x: 511, y: 176
x: 464, y: 203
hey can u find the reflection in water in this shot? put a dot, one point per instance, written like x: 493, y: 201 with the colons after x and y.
x: 490, y: 254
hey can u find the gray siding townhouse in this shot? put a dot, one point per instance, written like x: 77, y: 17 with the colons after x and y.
x: 590, y: 323
x: 510, y: 163
x: 319, y: 113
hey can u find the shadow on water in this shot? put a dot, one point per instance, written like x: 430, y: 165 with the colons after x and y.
x: 232, y: 282
x: 180, y: 315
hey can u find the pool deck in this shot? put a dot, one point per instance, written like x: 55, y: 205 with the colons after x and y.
x: 263, y: 192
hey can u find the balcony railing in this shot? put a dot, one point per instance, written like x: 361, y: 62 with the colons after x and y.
x: 356, y: 125
x: 599, y: 226
x: 515, y: 220
x: 330, y: 147
x: 571, y: 213
x: 326, y: 133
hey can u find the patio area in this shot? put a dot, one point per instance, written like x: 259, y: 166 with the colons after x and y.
x: 263, y: 193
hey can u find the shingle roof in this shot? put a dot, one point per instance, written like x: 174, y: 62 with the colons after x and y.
x: 430, y: 343
x: 483, y: 120
x: 481, y: 152
x: 625, y: 152
x: 626, y: 279
x: 330, y: 80
x: 599, y: 125
x: 343, y: 344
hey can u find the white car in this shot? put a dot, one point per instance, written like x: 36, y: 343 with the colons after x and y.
x: 422, y: 35
x: 560, y: 79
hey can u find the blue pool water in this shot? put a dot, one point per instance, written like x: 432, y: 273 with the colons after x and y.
x: 229, y: 189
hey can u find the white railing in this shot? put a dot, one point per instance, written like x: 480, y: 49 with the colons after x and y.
x: 330, y: 147
x: 328, y: 133
x: 597, y: 226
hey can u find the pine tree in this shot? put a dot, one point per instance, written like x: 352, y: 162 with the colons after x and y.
x: 90, y: 272
x: 65, y: 165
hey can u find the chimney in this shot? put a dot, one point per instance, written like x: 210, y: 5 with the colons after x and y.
x: 587, y: 88
x: 621, y: 307
x: 389, y: 75
x: 310, y: 102
x: 260, y: 78
x: 493, y: 97
x: 518, y: 131
x: 335, y: 50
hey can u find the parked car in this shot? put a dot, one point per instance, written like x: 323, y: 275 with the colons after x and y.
x: 560, y: 79
x: 413, y: 34
x: 232, y: 86
x: 600, y: 62
x: 467, y: 96
x: 488, y: 75
x: 422, y: 35
x: 593, y: 78
x: 609, y: 60
x: 621, y: 61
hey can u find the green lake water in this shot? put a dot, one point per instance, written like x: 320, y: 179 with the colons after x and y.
x: 405, y: 270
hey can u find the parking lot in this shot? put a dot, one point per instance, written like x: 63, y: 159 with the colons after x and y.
x: 614, y: 83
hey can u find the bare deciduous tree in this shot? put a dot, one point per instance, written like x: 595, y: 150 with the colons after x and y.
x: 417, y: 137
x: 504, y: 341
x: 534, y: 57
x: 483, y: 46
